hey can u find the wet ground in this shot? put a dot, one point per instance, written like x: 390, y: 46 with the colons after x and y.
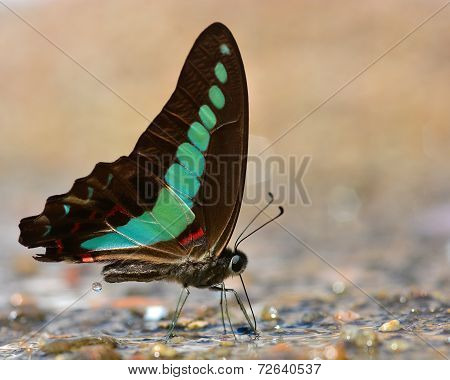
x: 339, y: 325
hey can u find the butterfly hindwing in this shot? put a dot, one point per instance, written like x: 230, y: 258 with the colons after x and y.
x: 178, y: 193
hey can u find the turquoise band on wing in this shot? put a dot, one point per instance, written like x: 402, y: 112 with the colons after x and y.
x: 220, y: 72
x: 199, y: 136
x: 207, y: 116
x: 172, y: 212
x: 216, y: 96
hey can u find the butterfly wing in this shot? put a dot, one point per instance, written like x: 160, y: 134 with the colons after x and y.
x: 178, y: 193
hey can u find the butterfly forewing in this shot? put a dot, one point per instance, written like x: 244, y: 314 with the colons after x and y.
x: 179, y: 192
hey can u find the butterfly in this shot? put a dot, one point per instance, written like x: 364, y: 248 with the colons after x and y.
x: 167, y: 210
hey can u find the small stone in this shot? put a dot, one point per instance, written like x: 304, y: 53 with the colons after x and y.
x: 393, y: 325
x: 338, y: 287
x: 59, y: 346
x: 269, y: 313
x: 155, y: 313
x: 227, y: 343
x: 398, y: 345
x: 346, y: 316
x: 197, y: 325
x: 21, y: 300
x: 312, y: 316
x: 95, y: 352
x: 336, y: 352
x: 359, y: 337
x: 182, y: 322
x: 284, y: 351
x: 162, y: 351
x: 26, y: 314
x: 177, y: 339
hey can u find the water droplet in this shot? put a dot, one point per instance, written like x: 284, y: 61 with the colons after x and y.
x: 97, y: 286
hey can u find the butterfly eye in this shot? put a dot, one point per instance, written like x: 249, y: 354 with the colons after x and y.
x: 236, y: 264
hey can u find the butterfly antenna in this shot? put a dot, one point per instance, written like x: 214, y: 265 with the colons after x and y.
x: 281, y: 212
x: 254, y: 218
x: 248, y: 300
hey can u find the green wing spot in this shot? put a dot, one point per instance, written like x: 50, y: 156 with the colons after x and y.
x: 66, y: 209
x: 224, y: 49
x: 221, y: 72
x: 182, y: 181
x: 191, y: 158
x: 207, y: 116
x: 216, y: 96
x: 108, y: 181
x: 47, y: 230
x: 199, y: 136
x: 168, y: 219
x: 90, y: 192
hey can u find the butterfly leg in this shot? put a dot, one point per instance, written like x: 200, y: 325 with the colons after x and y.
x: 221, y: 310
x: 223, y: 299
x: 181, y: 301
x: 241, y: 305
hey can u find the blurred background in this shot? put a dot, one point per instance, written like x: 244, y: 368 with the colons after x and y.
x: 378, y: 180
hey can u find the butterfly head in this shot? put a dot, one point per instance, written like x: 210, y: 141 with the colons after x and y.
x: 235, y: 260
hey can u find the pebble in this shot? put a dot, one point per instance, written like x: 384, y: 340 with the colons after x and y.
x: 21, y: 300
x: 269, y: 313
x: 338, y: 287
x: 163, y: 351
x: 393, y: 325
x: 284, y: 351
x: 335, y: 352
x: 155, y: 313
x: 155, y: 351
x: 182, y: 322
x: 346, y: 316
x: 398, y: 345
x: 59, y: 346
x: 177, y: 339
x: 197, y: 325
x: 26, y: 314
x: 95, y: 352
x: 312, y: 316
x: 359, y: 337
x: 227, y: 343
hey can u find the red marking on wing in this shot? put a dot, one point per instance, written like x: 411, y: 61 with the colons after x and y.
x: 192, y: 236
x: 86, y: 258
x: 117, y: 208
x: 59, y: 244
x: 75, y: 228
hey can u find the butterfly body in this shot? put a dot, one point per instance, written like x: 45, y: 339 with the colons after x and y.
x: 210, y: 271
